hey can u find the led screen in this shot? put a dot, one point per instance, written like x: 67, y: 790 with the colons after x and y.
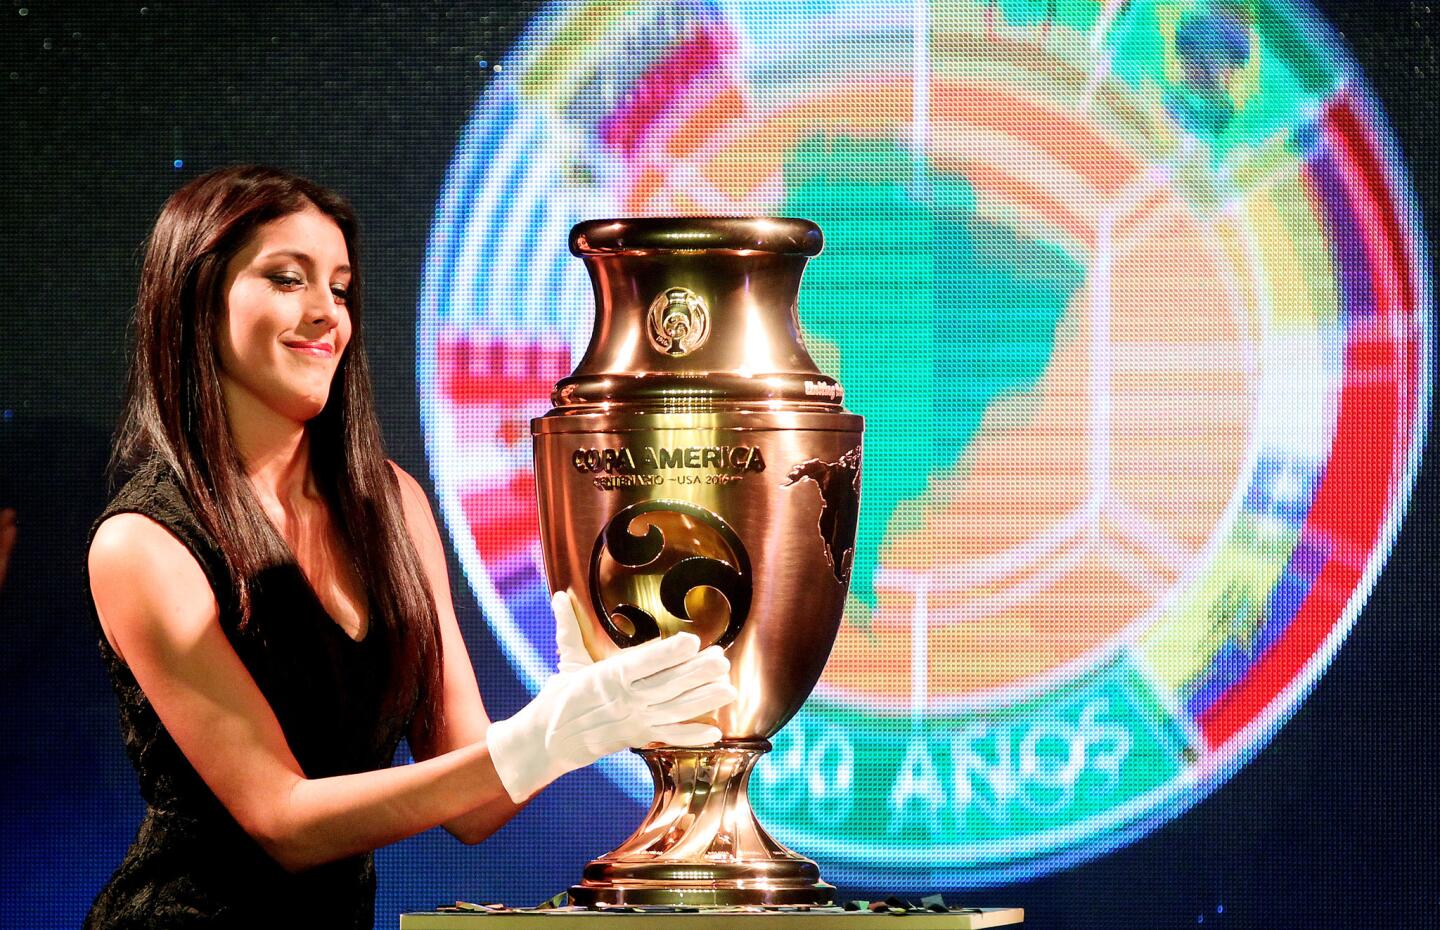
x: 1132, y: 298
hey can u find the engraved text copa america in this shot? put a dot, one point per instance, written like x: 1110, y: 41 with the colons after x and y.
x: 627, y: 461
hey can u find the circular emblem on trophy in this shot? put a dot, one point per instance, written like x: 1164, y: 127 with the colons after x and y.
x: 679, y: 321
x: 661, y: 567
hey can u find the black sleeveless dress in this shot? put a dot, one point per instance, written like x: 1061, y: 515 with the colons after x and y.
x: 191, y: 864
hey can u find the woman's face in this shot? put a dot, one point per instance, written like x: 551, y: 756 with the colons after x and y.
x: 285, y: 324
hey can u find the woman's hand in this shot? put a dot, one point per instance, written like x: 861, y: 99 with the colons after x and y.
x: 587, y: 710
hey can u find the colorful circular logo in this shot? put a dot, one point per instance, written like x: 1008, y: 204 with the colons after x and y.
x: 1133, y: 299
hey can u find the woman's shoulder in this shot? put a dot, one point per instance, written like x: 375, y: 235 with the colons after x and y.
x: 147, y: 522
x: 412, y: 496
x: 140, y: 574
x: 150, y: 526
x: 408, y: 484
x: 419, y: 518
x: 134, y: 544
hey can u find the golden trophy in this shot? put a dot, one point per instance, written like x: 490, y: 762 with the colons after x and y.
x: 698, y: 472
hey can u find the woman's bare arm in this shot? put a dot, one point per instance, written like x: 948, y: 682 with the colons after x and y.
x: 465, y: 720
x: 159, y: 613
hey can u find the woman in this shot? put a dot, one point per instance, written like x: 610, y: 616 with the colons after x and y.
x: 273, y: 602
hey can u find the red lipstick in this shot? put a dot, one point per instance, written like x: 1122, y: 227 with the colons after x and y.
x: 317, y: 349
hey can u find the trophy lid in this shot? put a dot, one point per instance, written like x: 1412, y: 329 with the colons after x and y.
x: 776, y: 235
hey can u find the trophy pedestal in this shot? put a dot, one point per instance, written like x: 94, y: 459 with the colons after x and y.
x: 701, y: 845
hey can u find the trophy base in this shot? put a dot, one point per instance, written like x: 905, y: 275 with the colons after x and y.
x: 700, y: 845
x: 817, y: 895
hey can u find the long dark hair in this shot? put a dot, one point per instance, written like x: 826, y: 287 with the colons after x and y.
x: 175, y: 413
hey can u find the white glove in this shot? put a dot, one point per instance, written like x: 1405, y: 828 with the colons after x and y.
x: 590, y: 709
x: 568, y: 642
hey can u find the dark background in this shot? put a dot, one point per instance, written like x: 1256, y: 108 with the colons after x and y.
x: 1334, y: 824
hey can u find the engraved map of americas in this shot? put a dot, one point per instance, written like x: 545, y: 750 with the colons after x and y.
x: 839, y: 484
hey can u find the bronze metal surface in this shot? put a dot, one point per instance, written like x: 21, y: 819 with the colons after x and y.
x: 701, y: 844
x: 698, y: 472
